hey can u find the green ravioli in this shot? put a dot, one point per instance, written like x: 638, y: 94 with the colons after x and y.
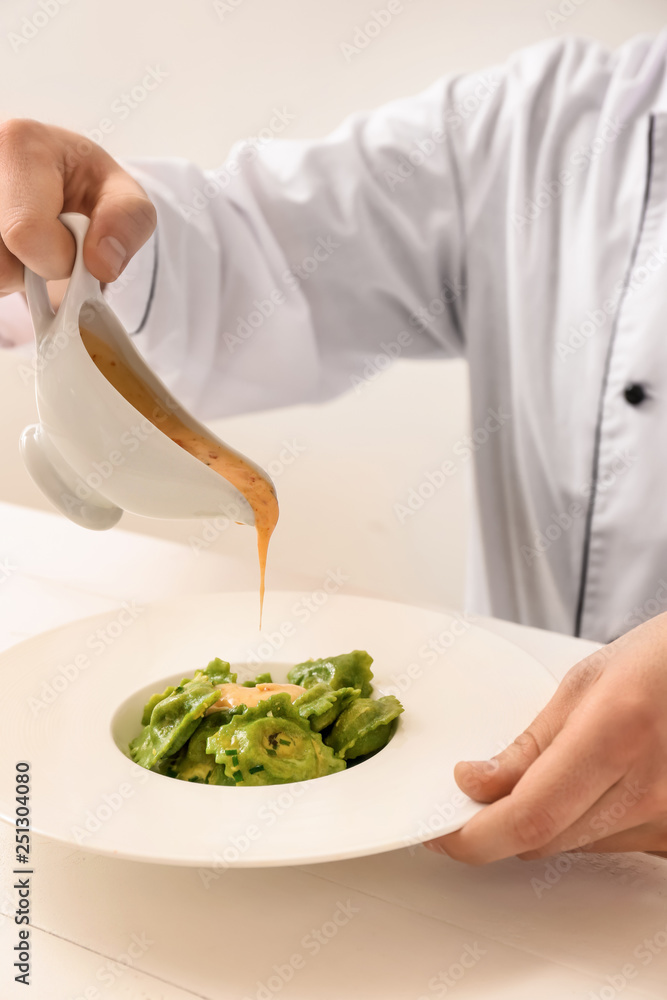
x: 152, y: 702
x: 321, y: 705
x: 194, y: 763
x: 168, y: 765
x: 259, y: 679
x: 218, y: 672
x: 270, y: 744
x: 274, y: 742
x: 363, y: 727
x: 347, y: 670
x: 173, y: 720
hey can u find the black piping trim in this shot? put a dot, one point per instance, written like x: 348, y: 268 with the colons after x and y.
x: 605, y: 379
x: 151, y: 291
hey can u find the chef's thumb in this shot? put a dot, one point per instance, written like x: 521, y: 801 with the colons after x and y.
x: 488, y: 780
x: 122, y: 219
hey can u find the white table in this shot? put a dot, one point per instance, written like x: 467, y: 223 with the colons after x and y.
x: 398, y: 925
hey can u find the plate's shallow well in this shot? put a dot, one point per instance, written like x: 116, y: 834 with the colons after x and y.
x: 68, y: 700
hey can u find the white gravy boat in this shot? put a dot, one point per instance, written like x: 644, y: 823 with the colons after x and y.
x: 92, y: 454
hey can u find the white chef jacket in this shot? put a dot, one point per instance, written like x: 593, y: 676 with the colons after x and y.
x: 517, y: 217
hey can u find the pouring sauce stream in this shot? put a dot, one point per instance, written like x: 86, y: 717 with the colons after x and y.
x: 259, y: 493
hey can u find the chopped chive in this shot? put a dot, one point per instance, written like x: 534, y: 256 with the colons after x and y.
x: 256, y: 770
x: 271, y: 753
x: 235, y: 762
x: 237, y: 776
x: 285, y: 743
x: 231, y: 753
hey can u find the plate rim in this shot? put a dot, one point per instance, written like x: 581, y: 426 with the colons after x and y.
x: 185, y: 860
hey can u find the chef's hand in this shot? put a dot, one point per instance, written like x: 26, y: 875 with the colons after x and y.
x: 589, y: 774
x: 46, y: 170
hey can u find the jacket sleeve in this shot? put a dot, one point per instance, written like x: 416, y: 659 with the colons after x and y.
x: 276, y: 278
x: 281, y: 276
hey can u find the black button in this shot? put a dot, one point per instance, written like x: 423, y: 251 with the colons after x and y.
x: 635, y: 393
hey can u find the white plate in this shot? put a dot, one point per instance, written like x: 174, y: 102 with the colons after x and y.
x: 73, y: 695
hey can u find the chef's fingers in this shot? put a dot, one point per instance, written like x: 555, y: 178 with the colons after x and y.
x: 561, y: 785
x: 46, y: 170
x: 489, y: 780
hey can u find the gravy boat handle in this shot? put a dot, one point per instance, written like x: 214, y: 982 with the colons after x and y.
x: 84, y: 419
x: 46, y: 466
x: 82, y: 286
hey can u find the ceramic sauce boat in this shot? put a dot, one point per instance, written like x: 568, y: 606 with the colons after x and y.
x: 93, y: 453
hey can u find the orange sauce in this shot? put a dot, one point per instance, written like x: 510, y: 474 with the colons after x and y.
x: 259, y: 493
x: 232, y: 695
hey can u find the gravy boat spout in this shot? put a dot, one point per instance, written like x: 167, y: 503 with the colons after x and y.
x: 95, y: 454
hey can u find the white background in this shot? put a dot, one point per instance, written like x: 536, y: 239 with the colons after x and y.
x: 225, y: 75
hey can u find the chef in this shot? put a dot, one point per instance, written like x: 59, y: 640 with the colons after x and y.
x: 516, y: 217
